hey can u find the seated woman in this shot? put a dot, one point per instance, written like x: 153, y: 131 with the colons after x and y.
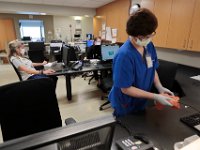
x: 24, y: 65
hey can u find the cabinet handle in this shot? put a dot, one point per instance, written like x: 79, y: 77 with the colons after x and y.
x: 184, y: 43
x: 191, y: 44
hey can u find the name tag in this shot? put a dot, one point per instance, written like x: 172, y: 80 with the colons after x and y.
x: 149, y: 61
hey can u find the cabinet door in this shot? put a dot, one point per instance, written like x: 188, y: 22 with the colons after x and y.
x: 162, y: 10
x: 148, y: 4
x: 194, y: 40
x: 180, y: 24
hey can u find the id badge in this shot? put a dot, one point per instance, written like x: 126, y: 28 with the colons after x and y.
x: 149, y: 61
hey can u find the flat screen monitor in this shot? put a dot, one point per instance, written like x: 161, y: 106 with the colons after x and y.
x: 96, y: 134
x: 89, y: 36
x: 26, y: 38
x: 108, y: 51
x: 97, y: 52
x: 68, y: 54
x: 89, y: 43
x: 77, y: 35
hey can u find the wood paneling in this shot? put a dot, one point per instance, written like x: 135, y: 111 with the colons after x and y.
x: 116, y: 15
x: 180, y: 24
x: 194, y: 39
x: 162, y: 9
x: 7, y: 31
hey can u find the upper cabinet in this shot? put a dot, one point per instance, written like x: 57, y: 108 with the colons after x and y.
x: 162, y: 9
x: 178, y: 23
x: 194, y: 38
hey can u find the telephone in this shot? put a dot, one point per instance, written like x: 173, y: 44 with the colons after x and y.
x: 134, y: 143
x: 77, y: 65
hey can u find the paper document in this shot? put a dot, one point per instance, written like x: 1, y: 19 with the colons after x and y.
x: 50, y: 64
x: 196, y: 77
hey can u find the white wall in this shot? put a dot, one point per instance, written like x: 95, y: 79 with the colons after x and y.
x: 181, y: 57
x: 62, y: 23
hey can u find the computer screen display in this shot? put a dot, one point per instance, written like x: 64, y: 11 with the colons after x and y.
x: 96, y: 134
x: 77, y: 35
x: 89, y: 43
x: 26, y: 38
x: 108, y: 51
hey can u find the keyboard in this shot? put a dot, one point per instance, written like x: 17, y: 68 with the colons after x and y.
x: 107, y: 65
x: 192, y: 121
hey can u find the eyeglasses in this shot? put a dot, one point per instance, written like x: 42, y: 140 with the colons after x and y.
x: 148, y: 36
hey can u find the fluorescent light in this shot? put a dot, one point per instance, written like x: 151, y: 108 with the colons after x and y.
x: 77, y: 18
x: 30, y: 13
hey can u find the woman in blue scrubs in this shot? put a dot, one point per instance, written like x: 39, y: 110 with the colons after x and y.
x: 134, y: 67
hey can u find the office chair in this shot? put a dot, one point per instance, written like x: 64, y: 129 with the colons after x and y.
x: 93, y: 52
x: 36, y: 53
x: 105, y: 86
x: 16, y: 70
x: 28, y: 107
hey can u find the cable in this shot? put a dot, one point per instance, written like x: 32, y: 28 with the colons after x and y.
x: 190, y: 106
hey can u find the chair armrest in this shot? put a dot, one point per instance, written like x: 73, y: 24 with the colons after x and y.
x: 69, y: 121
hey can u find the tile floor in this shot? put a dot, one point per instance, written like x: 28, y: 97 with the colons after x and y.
x: 84, y: 104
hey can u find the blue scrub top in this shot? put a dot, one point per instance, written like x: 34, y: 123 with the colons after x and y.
x: 130, y: 69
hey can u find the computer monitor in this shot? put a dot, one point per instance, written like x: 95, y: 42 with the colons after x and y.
x: 26, y: 38
x: 68, y: 54
x: 89, y: 43
x: 89, y: 36
x: 77, y: 35
x: 97, y: 52
x: 108, y: 52
x: 96, y: 134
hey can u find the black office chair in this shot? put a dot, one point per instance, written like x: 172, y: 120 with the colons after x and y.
x: 36, y: 53
x: 93, y: 52
x: 28, y: 107
x: 167, y: 73
x: 16, y: 70
x: 105, y: 85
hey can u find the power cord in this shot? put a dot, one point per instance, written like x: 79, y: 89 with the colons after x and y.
x: 186, y: 105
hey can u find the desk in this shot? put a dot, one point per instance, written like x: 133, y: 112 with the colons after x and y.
x: 68, y: 73
x: 164, y: 127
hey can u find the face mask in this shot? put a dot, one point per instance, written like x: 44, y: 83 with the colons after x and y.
x: 22, y: 51
x: 97, y: 43
x: 144, y: 42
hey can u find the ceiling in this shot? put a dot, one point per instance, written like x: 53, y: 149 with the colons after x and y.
x: 70, y: 3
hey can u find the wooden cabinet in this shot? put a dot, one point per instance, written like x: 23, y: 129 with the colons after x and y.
x: 180, y: 24
x: 7, y: 32
x: 194, y: 38
x: 162, y: 10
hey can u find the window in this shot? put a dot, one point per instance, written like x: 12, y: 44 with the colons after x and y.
x: 33, y: 29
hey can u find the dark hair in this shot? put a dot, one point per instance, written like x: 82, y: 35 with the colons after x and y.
x: 142, y: 22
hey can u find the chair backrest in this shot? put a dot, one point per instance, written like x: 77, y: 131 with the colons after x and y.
x: 17, y: 72
x: 36, y: 46
x: 28, y: 107
x: 167, y: 72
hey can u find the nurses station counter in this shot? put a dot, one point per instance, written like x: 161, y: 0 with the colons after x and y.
x: 163, y: 127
